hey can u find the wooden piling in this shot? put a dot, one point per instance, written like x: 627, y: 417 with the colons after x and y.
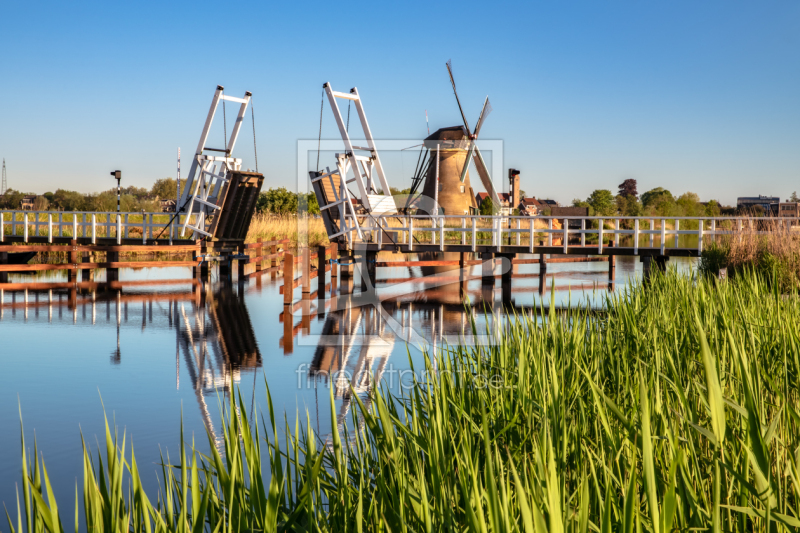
x: 288, y: 279
x: 612, y: 267
x: 305, y: 265
x: 542, y: 272
x: 3, y: 261
x: 259, y: 254
x: 505, y: 277
x: 86, y: 274
x: 334, y: 250
x: 73, y: 260
x: 487, y: 268
x: 242, y: 263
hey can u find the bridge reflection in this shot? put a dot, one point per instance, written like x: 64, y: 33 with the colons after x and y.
x: 213, y: 332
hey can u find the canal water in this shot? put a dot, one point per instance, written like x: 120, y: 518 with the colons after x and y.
x: 162, y: 348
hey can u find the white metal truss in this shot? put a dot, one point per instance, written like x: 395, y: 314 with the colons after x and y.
x: 208, y: 175
x: 365, y: 165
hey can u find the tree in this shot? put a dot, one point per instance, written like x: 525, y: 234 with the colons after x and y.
x: 487, y: 207
x: 11, y: 199
x: 713, y: 209
x: 794, y: 198
x: 40, y: 203
x: 655, y: 196
x: 628, y: 188
x: 629, y: 206
x: 72, y: 201
x: 278, y: 201
x: 603, y: 202
x: 689, y: 205
x: 164, y: 189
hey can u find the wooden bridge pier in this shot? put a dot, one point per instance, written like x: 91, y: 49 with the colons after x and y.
x: 3, y: 261
x: 505, y: 278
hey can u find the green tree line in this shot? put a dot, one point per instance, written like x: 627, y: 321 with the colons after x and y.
x: 656, y: 202
x: 132, y: 198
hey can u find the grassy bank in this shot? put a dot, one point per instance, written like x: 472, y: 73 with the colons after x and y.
x: 774, y: 253
x: 676, y: 410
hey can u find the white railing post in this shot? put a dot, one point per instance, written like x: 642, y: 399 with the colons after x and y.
x: 126, y: 226
x: 600, y: 236
x: 583, y: 232
x: 441, y: 234
x: 151, y: 226
x: 74, y: 226
x: 144, y: 228
x: 474, y: 232
x: 530, y: 230
x: 565, y: 234
x: 677, y: 228
x: 25, y: 221
x: 518, y: 233
x: 410, y: 233
x: 14, y: 223
x: 713, y: 229
x: 549, y: 232
x: 499, y: 233
x: 50, y: 227
x: 700, y: 237
x: 652, y: 233
x: 119, y: 229
x: 2, y: 227
x: 94, y: 228
x: 636, y: 237
x: 616, y: 232
x: 463, y: 233
x: 663, y: 235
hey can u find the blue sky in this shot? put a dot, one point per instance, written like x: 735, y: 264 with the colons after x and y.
x: 692, y: 96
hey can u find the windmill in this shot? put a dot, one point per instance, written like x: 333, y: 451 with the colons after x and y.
x: 447, y: 185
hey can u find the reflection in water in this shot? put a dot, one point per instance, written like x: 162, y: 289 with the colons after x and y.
x: 139, y: 340
x: 212, y: 327
x: 354, y: 329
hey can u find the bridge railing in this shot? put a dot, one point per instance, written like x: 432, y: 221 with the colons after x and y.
x: 92, y: 224
x: 565, y: 231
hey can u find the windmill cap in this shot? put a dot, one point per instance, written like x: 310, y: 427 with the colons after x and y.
x: 453, y: 133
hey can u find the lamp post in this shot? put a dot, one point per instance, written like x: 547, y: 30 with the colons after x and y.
x: 118, y: 176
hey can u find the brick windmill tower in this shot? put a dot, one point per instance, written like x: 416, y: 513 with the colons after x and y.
x: 447, y: 189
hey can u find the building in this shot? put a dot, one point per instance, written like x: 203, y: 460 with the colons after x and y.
x: 769, y: 204
x: 558, y: 211
x: 789, y: 209
x: 529, y: 207
x: 26, y: 204
x: 167, y: 206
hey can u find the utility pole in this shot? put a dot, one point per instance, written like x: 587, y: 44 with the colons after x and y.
x: 4, y: 185
x: 118, y: 176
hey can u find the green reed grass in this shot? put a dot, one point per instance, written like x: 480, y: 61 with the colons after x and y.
x: 677, y: 410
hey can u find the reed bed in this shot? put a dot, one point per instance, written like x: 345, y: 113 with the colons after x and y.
x: 676, y: 410
x: 773, y: 249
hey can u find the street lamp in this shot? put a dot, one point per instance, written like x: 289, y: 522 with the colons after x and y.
x: 118, y: 175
